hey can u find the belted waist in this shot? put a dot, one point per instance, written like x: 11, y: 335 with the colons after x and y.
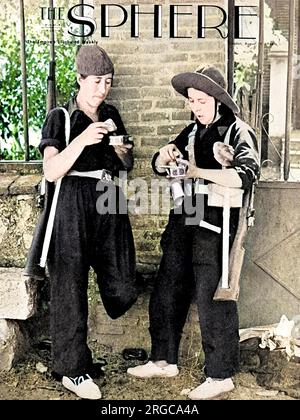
x: 101, y: 174
x: 203, y: 189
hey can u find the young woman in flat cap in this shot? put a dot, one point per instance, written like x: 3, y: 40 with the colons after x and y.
x: 191, y: 264
x: 82, y: 237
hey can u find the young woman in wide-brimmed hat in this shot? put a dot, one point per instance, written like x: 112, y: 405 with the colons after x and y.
x: 191, y: 264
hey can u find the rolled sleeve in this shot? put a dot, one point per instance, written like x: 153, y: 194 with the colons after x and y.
x: 53, y: 131
x: 153, y: 164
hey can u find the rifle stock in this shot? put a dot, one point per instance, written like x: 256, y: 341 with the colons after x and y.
x: 33, y: 268
x: 236, y: 258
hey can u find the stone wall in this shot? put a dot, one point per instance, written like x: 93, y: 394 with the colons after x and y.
x: 19, y: 215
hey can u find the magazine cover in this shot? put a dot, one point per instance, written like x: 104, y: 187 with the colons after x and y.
x: 149, y: 191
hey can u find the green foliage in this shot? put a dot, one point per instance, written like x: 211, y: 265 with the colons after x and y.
x: 37, y: 64
x: 244, y: 77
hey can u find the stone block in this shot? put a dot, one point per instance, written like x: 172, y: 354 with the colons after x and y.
x: 13, y: 344
x: 26, y: 184
x: 18, y: 294
x: 6, y: 180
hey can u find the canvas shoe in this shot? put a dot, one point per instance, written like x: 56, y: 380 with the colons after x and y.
x: 211, y: 388
x: 153, y: 370
x: 83, y: 386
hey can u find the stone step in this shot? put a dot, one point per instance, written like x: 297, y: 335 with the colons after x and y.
x: 294, y: 145
x: 18, y: 294
x: 294, y: 150
x: 294, y: 174
x: 295, y: 159
x: 295, y: 134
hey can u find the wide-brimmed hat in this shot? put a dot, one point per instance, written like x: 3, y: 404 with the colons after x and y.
x: 207, y: 79
x: 93, y: 60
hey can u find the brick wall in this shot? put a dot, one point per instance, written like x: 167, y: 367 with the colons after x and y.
x: 152, y: 112
x: 280, y: 16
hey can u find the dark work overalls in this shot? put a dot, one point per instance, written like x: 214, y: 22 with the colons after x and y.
x: 83, y: 238
x: 191, y: 264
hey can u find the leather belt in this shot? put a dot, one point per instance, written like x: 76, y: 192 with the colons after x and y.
x: 101, y: 174
x: 203, y: 189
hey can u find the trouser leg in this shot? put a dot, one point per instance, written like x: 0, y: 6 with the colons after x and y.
x: 172, y: 293
x: 113, y: 259
x: 68, y: 318
x: 68, y: 265
x: 218, y: 322
x: 168, y: 309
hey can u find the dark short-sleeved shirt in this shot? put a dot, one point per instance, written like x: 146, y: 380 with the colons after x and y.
x: 245, y: 160
x: 242, y: 139
x: 93, y: 157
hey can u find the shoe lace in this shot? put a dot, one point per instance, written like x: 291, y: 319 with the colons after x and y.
x: 77, y: 380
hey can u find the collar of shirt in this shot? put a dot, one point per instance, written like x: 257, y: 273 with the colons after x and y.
x: 72, y: 106
x: 220, y: 123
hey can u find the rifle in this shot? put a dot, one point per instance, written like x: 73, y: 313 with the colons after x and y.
x: 51, y: 97
x: 33, y: 268
x: 228, y: 288
x: 237, y: 252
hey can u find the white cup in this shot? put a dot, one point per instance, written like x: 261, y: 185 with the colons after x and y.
x: 177, y: 192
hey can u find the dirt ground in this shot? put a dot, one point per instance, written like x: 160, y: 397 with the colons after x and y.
x: 263, y: 376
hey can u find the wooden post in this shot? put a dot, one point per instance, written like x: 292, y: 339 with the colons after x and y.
x: 289, y: 92
x: 230, y: 47
x: 24, y: 81
x: 51, y: 93
x: 259, y: 79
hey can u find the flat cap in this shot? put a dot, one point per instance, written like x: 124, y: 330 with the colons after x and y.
x: 93, y: 60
